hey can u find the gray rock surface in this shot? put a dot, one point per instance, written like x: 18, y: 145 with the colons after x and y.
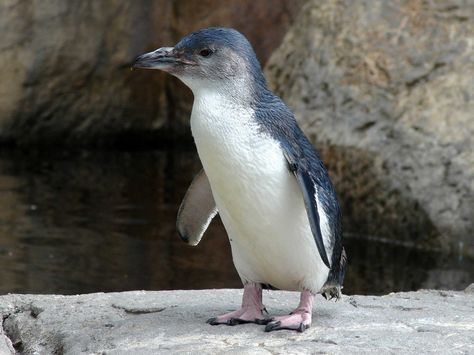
x: 65, y: 65
x: 385, y: 89
x: 142, y: 322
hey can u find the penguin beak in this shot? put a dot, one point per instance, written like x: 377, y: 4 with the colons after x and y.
x: 163, y: 58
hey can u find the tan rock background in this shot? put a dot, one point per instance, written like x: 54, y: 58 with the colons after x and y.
x: 65, y: 64
x: 385, y: 89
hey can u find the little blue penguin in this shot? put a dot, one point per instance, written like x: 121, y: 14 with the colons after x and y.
x: 260, y: 173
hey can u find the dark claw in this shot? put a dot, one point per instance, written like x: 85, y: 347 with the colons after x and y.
x: 277, y: 326
x: 264, y: 321
x: 273, y: 326
x: 302, y: 328
x: 236, y: 321
x: 233, y: 321
x: 212, y: 321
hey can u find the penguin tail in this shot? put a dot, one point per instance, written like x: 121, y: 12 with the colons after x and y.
x: 333, y: 286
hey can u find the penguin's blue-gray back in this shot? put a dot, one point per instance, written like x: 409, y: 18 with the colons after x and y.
x: 277, y: 120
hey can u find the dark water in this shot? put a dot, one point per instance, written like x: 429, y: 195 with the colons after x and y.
x: 105, y: 221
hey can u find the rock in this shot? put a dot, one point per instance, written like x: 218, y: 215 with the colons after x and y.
x: 385, y: 91
x: 65, y: 66
x: 6, y: 346
x: 6, y: 308
x: 90, y: 324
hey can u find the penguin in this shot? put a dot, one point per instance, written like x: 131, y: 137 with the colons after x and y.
x: 260, y: 173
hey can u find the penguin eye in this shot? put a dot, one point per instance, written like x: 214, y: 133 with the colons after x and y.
x: 206, y: 52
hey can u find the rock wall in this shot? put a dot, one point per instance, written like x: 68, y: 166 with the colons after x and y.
x: 385, y: 90
x: 65, y: 64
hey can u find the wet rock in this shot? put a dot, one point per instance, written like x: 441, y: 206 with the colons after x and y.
x: 385, y: 91
x: 89, y: 324
x: 65, y: 66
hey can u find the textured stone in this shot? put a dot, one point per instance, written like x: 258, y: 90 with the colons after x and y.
x: 65, y: 64
x: 385, y: 90
x: 6, y: 346
x: 409, y: 323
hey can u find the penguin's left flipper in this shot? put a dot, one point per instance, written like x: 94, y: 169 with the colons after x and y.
x: 308, y: 188
x: 197, y: 210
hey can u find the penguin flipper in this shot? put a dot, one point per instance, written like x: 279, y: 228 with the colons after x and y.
x: 196, y: 211
x: 308, y: 189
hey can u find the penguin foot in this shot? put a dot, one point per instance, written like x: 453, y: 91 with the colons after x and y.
x: 299, y: 320
x: 240, y: 316
x: 250, y: 312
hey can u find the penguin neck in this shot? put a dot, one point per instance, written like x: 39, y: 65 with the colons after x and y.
x: 240, y: 91
x: 221, y: 110
x: 223, y: 114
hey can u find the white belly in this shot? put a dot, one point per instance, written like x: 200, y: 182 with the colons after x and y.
x: 258, y: 199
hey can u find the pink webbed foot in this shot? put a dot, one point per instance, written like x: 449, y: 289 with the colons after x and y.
x: 250, y: 312
x: 299, y: 319
x: 240, y: 316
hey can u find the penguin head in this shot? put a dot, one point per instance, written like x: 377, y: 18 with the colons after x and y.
x: 209, y: 58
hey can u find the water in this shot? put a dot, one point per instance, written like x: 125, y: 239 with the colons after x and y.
x: 92, y: 221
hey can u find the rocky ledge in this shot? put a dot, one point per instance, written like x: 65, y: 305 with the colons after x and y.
x: 145, y: 322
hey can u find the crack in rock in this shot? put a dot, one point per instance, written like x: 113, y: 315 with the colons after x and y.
x: 138, y: 310
x: 15, y: 344
x: 18, y: 337
x: 6, y: 343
